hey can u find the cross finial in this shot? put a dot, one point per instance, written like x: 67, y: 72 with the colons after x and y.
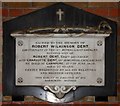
x: 60, y: 13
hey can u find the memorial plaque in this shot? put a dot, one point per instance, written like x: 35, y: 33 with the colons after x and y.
x: 59, y: 54
x: 61, y: 60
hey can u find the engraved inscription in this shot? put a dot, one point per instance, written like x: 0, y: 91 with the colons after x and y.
x: 77, y: 61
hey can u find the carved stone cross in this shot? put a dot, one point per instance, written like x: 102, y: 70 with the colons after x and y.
x: 60, y: 13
